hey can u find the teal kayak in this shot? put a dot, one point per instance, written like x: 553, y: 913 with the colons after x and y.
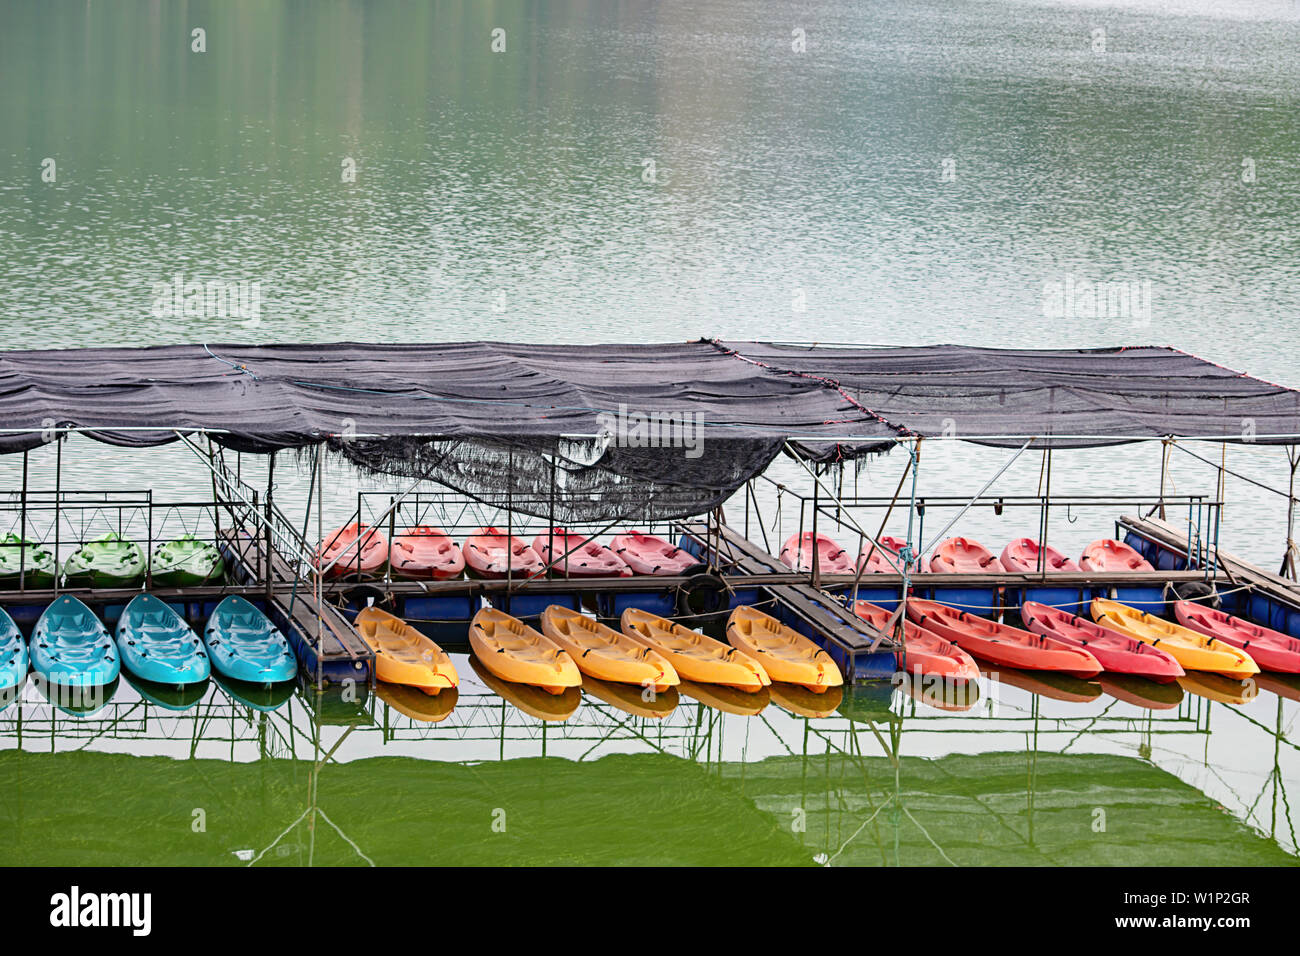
x: 245, y: 646
x: 157, y: 645
x: 70, y: 648
x: 33, y: 562
x: 186, y: 562
x: 13, y: 653
x: 106, y: 562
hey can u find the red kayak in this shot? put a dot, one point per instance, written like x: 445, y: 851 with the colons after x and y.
x: 1001, y: 643
x: 575, y: 556
x: 1111, y: 555
x: 647, y: 554
x: 927, y: 652
x: 963, y: 556
x: 831, y: 558
x: 490, y: 553
x: 1271, y: 650
x: 882, y: 555
x: 1115, y: 652
x: 1023, y: 554
x: 366, y: 558
x: 425, y: 552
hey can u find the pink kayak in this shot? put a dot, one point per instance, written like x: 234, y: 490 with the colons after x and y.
x: 366, y: 558
x: 1116, y: 652
x: 647, y: 554
x: 831, y: 558
x: 425, y: 552
x: 576, y: 556
x: 1111, y: 555
x: 1001, y: 643
x: 490, y: 553
x: 926, y: 652
x: 1023, y: 554
x: 1271, y: 650
x: 963, y: 556
x: 881, y: 555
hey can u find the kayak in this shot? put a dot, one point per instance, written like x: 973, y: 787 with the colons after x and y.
x: 604, y: 653
x: 1116, y: 652
x: 726, y: 699
x: 1195, y: 652
x: 632, y: 699
x: 963, y: 556
x: 486, y: 555
x: 693, y: 655
x: 883, y: 557
x: 1000, y: 643
x: 1023, y: 555
x: 403, y: 655
x: 20, y: 557
x: 340, y: 546
x: 244, y: 645
x: 574, y: 556
x: 797, y: 554
x: 71, y: 648
x: 186, y: 562
x: 927, y: 654
x: 515, y: 652
x: 1216, y: 687
x: 425, y: 552
x: 783, y: 652
x: 533, y: 701
x: 13, y: 653
x: 1271, y: 650
x: 106, y: 562
x: 805, y: 701
x: 414, y: 703
x: 647, y: 554
x: 157, y: 645
x: 1107, y: 554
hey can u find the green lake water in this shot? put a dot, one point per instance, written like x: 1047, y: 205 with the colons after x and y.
x: 661, y: 171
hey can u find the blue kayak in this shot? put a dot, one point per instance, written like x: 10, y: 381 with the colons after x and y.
x: 157, y: 645
x: 70, y: 648
x: 13, y: 653
x: 245, y: 646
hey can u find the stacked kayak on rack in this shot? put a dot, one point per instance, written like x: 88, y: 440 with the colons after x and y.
x: 109, y: 561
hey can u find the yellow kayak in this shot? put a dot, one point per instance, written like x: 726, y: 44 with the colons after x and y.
x: 631, y: 699
x: 403, y: 655
x: 1194, y: 651
x: 533, y: 701
x: 694, y: 656
x: 428, y: 708
x: 515, y: 652
x: 784, y: 653
x: 606, y: 654
x: 806, y: 702
x: 726, y: 699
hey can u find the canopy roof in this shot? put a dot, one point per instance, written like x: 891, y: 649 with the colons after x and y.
x: 467, y: 413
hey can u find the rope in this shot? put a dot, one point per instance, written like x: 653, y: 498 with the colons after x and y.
x: 237, y: 367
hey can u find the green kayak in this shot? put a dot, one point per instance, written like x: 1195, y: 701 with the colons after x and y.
x: 107, y: 562
x: 185, y: 562
x: 20, y: 556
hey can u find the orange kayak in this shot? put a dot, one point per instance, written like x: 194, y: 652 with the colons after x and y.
x: 963, y: 556
x: 514, y: 652
x: 606, y: 654
x: 785, y: 654
x: 694, y: 656
x: 403, y: 655
x: 1195, y: 652
x: 926, y: 652
x: 1107, y: 554
x: 493, y: 554
x: 797, y: 554
x: 1000, y: 643
x: 367, y: 558
x: 425, y: 552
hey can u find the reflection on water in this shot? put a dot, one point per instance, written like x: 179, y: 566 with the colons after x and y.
x: 1018, y: 769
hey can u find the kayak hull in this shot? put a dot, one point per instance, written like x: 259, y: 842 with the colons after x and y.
x: 107, y: 562
x: 14, y: 660
x: 785, y: 654
x: 1000, y: 643
x: 926, y: 653
x: 518, y: 654
x: 797, y: 554
x: 71, y: 648
x: 604, y: 653
x: 403, y: 655
x: 493, y: 556
x: 1023, y: 554
x: 186, y: 562
x: 1271, y: 650
x: 244, y: 645
x: 1107, y: 554
x: 963, y: 556
x: 650, y: 555
x: 1117, y: 653
x: 158, y: 646
x: 1195, y: 652
x: 694, y: 656
x: 424, y: 553
x: 366, y: 559
x: 574, y: 556
x: 24, y: 563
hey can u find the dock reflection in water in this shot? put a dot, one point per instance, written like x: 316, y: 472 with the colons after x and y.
x: 1013, y: 769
